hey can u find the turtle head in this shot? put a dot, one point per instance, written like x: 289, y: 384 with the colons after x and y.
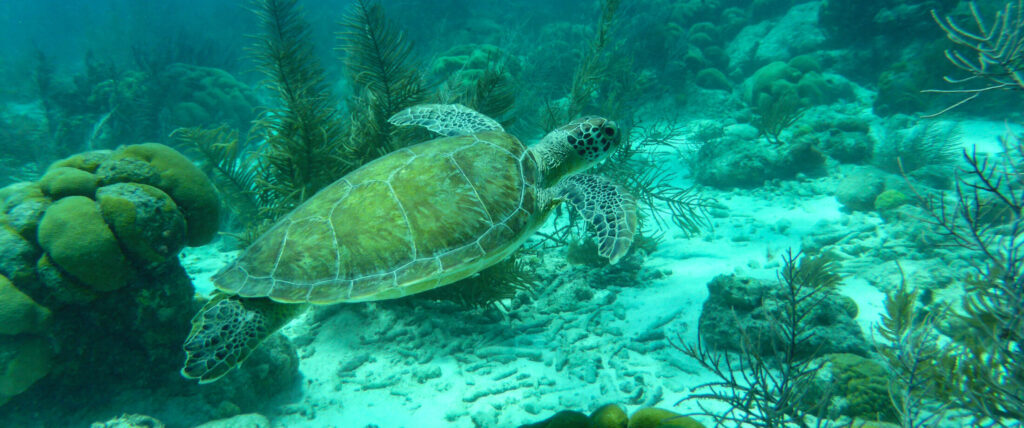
x: 578, y: 145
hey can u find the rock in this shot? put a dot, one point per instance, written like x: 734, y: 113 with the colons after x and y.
x: 794, y: 34
x: 858, y: 190
x: 130, y: 421
x: 746, y: 304
x: 249, y: 420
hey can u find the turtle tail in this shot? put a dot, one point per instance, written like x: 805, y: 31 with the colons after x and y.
x: 227, y: 329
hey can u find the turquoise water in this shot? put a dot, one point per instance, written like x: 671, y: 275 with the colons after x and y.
x: 511, y: 214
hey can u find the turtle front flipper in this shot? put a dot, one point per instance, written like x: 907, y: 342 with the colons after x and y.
x: 227, y: 329
x: 446, y: 119
x: 609, y: 208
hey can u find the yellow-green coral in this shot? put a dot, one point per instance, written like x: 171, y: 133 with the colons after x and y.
x: 609, y: 416
x: 651, y: 417
x: 863, y: 383
x: 66, y: 181
x: 87, y: 161
x: 18, y: 312
x: 890, y: 199
x: 75, y: 236
x: 163, y: 167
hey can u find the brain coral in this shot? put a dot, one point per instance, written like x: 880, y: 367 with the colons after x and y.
x: 147, y: 222
x: 69, y: 247
x: 164, y: 168
x: 75, y: 236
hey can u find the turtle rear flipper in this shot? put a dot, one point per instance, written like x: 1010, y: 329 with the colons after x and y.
x: 224, y: 333
x: 446, y: 119
x: 609, y: 209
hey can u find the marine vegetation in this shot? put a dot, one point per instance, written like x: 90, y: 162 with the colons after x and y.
x: 911, y: 351
x: 776, y: 390
x: 981, y: 370
x: 309, y: 140
x: 983, y: 367
x: 304, y: 137
x: 931, y: 143
x: 379, y: 65
x: 995, y: 51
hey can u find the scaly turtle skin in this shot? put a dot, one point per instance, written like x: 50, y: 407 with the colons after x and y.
x: 413, y: 220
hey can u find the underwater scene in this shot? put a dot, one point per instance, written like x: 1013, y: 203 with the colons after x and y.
x: 522, y: 214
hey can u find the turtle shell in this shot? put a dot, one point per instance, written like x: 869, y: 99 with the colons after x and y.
x: 415, y: 219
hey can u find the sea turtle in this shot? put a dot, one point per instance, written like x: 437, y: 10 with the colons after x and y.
x: 415, y: 219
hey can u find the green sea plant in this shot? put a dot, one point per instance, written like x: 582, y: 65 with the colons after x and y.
x: 489, y: 287
x: 929, y: 144
x: 771, y: 391
x: 774, y: 115
x: 379, y: 62
x: 232, y: 165
x: 305, y: 138
x: 994, y: 51
x: 984, y: 368
x: 649, y: 177
x: 604, y: 79
x: 910, y: 349
x: 984, y: 363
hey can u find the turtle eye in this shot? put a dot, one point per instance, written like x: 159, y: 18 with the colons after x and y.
x: 609, y: 131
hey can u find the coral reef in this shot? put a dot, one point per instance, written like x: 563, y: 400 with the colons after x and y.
x: 206, y: 97
x: 77, y: 239
x: 751, y: 305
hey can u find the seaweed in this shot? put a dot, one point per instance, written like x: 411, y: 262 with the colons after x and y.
x: 994, y: 52
x: 305, y: 139
x: 232, y: 166
x: 377, y: 56
x: 984, y: 363
x: 490, y: 287
x: 775, y: 115
x: 931, y: 144
x: 771, y: 392
x: 912, y: 354
x: 493, y: 93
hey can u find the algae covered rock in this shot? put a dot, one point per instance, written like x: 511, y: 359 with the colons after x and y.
x: 145, y: 220
x: 22, y: 205
x: 564, y: 419
x: 66, y: 181
x: 863, y: 384
x: 162, y: 167
x: 747, y: 304
x: 58, y: 287
x: 858, y: 190
x: 24, y: 359
x: 651, y: 417
x: 890, y: 200
x: 609, y: 416
x: 18, y: 312
x: 78, y: 240
x: 129, y: 421
x: 17, y: 255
